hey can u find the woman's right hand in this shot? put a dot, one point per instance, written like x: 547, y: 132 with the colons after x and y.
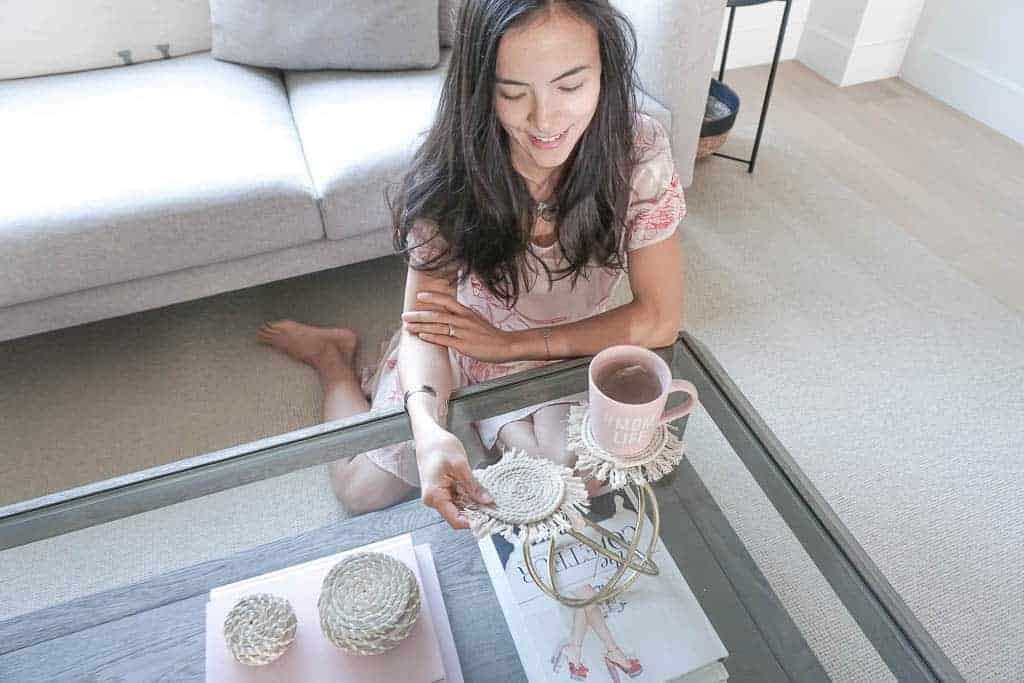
x: 445, y: 473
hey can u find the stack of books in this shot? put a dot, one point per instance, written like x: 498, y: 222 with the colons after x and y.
x: 655, y: 631
x: 428, y: 655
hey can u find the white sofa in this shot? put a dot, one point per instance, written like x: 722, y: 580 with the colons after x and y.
x: 138, y: 186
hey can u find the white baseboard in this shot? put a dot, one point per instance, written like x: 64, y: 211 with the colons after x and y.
x: 971, y: 88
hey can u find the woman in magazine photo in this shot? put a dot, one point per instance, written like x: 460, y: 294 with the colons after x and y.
x: 593, y: 618
x: 539, y: 187
x: 579, y: 621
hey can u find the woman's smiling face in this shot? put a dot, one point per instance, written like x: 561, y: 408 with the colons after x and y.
x: 548, y: 83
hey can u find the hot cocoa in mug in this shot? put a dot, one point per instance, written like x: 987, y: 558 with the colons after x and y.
x: 628, y: 388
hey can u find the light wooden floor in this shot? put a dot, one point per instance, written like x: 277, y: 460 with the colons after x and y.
x: 952, y: 183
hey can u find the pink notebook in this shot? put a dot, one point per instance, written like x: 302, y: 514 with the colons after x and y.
x: 312, y: 658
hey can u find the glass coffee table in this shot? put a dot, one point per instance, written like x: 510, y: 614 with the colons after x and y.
x: 154, y: 630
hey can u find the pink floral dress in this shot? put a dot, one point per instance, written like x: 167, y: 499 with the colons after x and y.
x: 657, y: 205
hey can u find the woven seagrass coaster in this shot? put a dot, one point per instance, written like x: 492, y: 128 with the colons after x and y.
x: 259, y: 628
x: 530, y: 495
x: 368, y: 603
x: 649, y: 464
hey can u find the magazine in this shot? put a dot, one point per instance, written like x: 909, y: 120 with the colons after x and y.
x: 655, y: 631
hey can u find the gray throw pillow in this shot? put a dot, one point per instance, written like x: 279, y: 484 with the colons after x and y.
x: 326, y: 34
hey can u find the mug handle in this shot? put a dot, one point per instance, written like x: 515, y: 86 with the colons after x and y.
x: 686, y: 406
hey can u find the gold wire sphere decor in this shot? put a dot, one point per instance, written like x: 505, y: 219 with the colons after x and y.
x: 537, y: 500
x: 632, y: 564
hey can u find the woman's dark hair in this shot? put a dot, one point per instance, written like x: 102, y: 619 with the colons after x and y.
x: 462, y: 178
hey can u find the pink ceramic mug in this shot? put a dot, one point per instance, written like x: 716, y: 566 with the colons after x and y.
x: 643, y: 381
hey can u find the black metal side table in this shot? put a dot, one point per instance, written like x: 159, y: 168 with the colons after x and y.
x: 732, y: 5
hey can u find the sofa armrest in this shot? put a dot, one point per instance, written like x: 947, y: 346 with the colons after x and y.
x: 676, y: 43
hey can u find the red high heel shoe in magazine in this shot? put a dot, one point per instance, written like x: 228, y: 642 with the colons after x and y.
x: 633, y: 669
x: 577, y: 672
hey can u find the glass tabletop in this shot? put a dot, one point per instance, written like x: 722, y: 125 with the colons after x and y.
x: 730, y: 563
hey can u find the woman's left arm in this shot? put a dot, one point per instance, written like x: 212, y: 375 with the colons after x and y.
x: 652, y: 319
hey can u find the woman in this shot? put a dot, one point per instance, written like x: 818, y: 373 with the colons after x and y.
x: 537, y: 187
x: 592, y: 618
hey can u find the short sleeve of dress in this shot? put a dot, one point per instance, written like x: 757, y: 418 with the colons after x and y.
x: 424, y: 243
x: 656, y: 200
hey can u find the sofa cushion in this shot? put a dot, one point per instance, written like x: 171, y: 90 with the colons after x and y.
x: 40, y: 37
x: 312, y: 34
x: 359, y: 132
x: 125, y: 173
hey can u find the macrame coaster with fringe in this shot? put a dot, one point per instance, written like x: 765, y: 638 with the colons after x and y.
x: 648, y: 465
x: 532, y: 496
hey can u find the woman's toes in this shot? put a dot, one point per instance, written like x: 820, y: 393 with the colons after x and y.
x: 323, y: 348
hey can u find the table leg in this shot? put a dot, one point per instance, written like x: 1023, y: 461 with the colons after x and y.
x: 725, y: 48
x: 771, y: 83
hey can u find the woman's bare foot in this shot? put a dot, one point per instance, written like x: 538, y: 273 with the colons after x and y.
x: 329, y: 350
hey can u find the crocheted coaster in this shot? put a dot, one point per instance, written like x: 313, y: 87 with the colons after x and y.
x: 651, y: 463
x: 368, y: 603
x: 530, y: 495
x: 259, y: 628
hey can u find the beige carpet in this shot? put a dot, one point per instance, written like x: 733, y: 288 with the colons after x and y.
x: 864, y: 287
x: 120, y: 395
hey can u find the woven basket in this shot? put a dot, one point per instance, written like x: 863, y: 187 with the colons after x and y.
x: 719, y: 117
x: 260, y: 628
x: 368, y: 604
x: 708, y: 145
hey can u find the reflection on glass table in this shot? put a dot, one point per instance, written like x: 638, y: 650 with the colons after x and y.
x: 154, y: 629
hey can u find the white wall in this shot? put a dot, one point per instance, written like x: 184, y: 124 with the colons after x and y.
x: 971, y: 56
x: 886, y: 31
x: 755, y: 31
x: 854, y: 41
x: 829, y: 35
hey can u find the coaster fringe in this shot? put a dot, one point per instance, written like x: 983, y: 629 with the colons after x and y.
x: 545, y: 524
x: 660, y: 457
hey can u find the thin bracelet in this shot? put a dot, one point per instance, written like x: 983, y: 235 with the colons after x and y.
x: 425, y: 388
x: 546, y: 333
